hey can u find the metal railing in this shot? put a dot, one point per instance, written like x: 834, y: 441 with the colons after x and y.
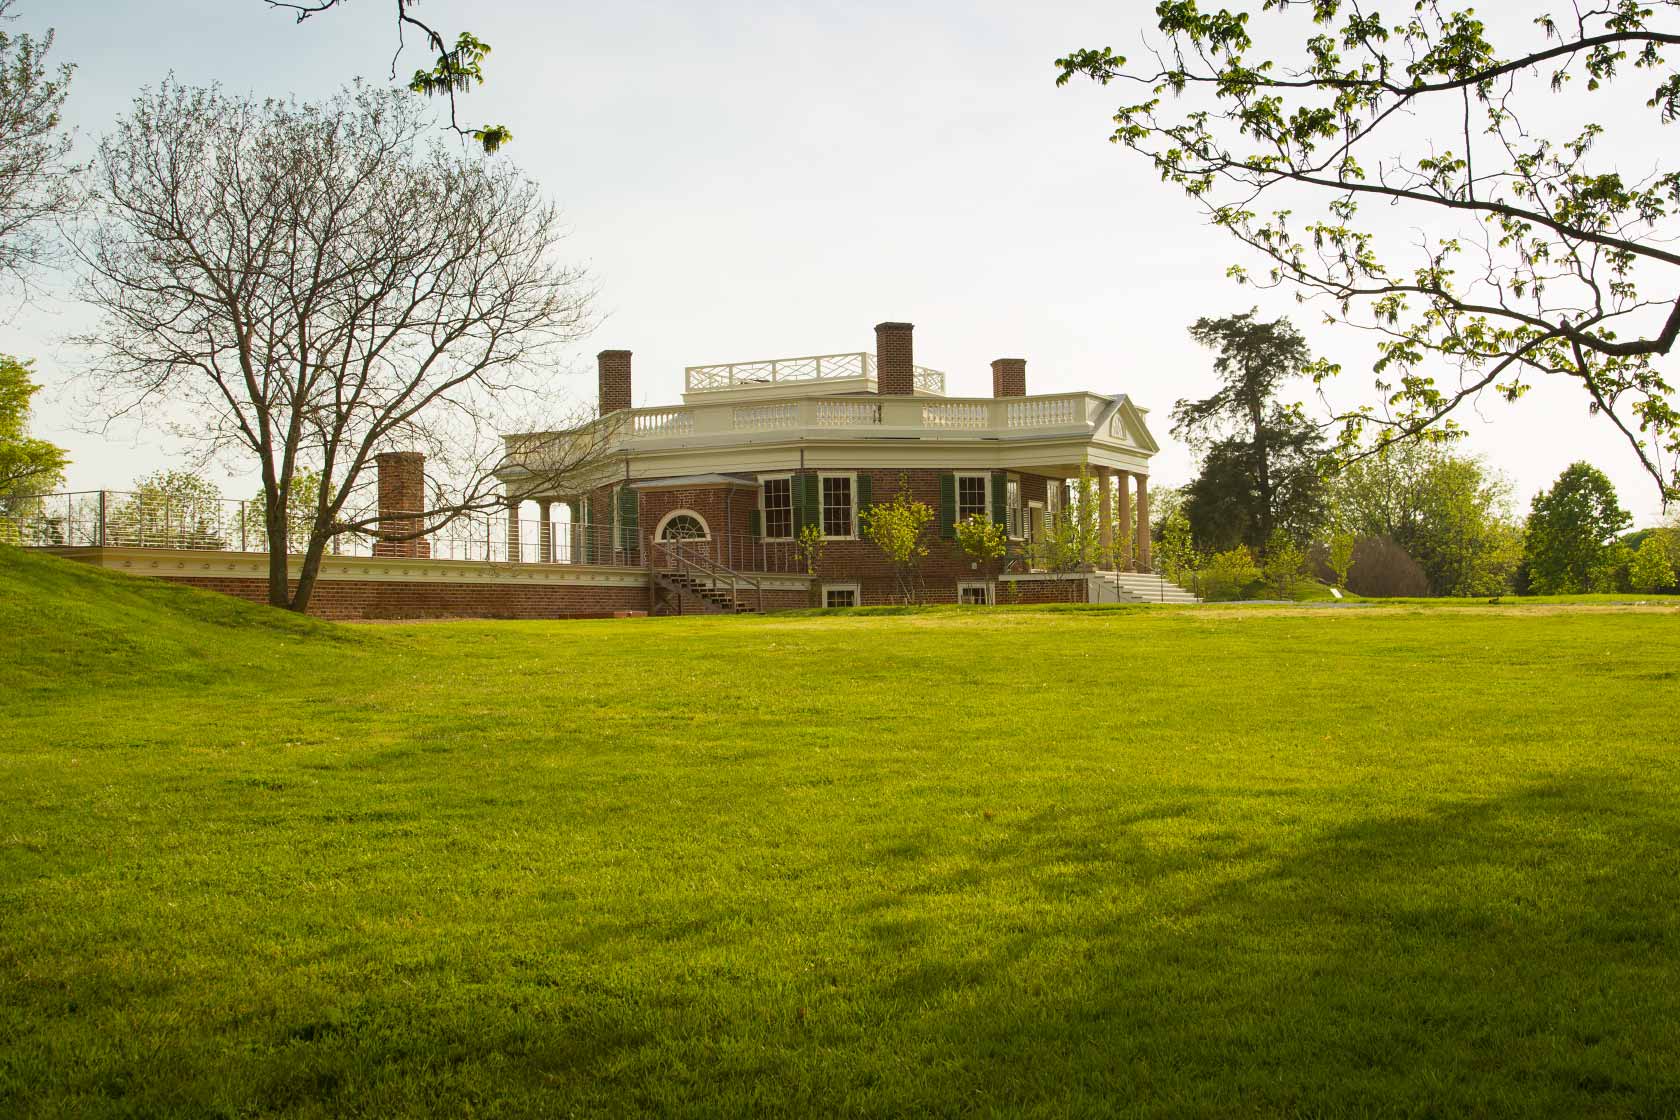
x: 742, y: 552
x: 126, y: 519
x: 814, y: 367
x: 693, y: 557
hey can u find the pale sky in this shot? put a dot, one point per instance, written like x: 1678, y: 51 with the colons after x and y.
x: 752, y: 181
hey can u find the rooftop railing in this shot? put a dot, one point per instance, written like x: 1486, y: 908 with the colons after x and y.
x: 815, y: 367
x: 1073, y: 413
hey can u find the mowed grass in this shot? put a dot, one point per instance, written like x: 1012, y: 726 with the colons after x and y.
x: 1133, y: 862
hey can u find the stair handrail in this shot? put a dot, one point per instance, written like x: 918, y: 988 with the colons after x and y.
x: 712, y: 569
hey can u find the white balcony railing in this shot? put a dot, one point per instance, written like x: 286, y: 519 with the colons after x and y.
x: 724, y: 422
x: 662, y: 421
x: 816, y: 367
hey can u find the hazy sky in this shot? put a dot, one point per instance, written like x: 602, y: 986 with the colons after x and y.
x: 749, y: 181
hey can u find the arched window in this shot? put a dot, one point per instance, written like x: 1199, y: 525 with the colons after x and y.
x: 683, y: 526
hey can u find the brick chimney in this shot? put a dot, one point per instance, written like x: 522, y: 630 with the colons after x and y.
x: 895, y: 360
x: 1009, y: 377
x: 614, y: 366
x: 402, y: 490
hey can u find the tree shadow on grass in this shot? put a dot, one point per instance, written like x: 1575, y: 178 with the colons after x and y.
x: 1177, y: 957
x: 1506, y: 956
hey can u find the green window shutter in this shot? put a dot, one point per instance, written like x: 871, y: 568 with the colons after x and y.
x: 810, y: 500
x: 947, y: 506
x: 1000, y: 498
x: 629, y: 520
x: 755, y: 522
x: 865, y: 493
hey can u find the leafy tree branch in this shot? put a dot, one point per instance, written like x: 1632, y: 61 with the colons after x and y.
x: 1540, y: 257
x: 455, y: 69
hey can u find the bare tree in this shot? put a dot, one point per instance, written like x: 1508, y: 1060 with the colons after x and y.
x: 307, y: 285
x: 1535, y: 254
x: 455, y: 68
x: 37, y: 179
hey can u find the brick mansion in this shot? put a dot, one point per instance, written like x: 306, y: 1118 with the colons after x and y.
x: 701, y: 506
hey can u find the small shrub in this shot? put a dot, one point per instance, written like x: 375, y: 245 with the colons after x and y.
x: 1339, y: 557
x: 809, y: 545
x: 1650, y: 569
x: 981, y: 539
x: 1382, y: 569
x: 1227, y: 573
x: 899, y: 529
x: 1283, y: 565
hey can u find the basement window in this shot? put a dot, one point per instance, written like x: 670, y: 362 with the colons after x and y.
x: 974, y: 594
x: 840, y: 594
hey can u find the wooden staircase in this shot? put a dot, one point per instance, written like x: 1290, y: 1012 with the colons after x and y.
x: 686, y: 588
x: 693, y: 582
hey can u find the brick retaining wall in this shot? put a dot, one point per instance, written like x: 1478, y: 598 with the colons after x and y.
x: 348, y: 599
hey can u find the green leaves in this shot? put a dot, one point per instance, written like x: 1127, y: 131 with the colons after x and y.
x: 457, y: 68
x: 1571, y: 526
x: 28, y: 466
x: 1540, y: 257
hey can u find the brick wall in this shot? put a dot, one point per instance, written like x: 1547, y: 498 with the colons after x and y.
x: 727, y: 511
x: 1073, y: 589
x: 860, y: 562
x: 895, y: 361
x: 613, y: 370
x: 402, y: 489
x: 343, y: 600
x: 1009, y: 377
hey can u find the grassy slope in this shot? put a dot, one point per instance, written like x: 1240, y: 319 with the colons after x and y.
x: 1134, y: 861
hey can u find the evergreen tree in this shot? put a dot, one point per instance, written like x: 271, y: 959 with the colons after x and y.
x: 1259, y: 456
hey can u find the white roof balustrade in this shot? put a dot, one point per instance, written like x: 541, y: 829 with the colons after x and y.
x: 737, y: 433
x: 858, y: 367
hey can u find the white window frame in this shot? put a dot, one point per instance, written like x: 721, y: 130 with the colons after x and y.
x: 968, y: 584
x: 985, y: 503
x: 1043, y: 520
x: 822, y: 505
x: 855, y: 589
x: 793, y: 504
x: 659, y: 530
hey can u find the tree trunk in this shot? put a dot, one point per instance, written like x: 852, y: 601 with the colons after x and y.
x: 308, y: 573
x: 279, y: 594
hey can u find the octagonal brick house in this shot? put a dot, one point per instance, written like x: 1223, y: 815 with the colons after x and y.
x: 710, y: 496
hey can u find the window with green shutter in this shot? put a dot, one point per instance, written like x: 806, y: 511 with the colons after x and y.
x: 947, y: 506
x: 1000, y: 498
x: 755, y: 522
x: 629, y: 521
x: 776, y: 505
x: 808, y: 509
x: 865, y: 493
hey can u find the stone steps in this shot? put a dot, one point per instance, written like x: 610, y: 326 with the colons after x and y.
x: 1141, y: 587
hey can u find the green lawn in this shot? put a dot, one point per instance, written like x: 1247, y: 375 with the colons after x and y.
x: 1388, y: 860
